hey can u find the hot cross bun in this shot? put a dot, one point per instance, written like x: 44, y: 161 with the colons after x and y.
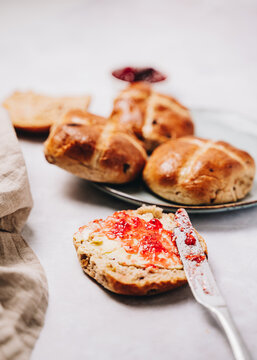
x: 196, y: 171
x: 92, y: 148
x: 154, y: 118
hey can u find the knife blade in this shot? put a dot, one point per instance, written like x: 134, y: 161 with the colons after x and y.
x: 202, y: 282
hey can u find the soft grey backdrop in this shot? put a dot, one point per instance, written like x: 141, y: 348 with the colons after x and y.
x: 209, y: 51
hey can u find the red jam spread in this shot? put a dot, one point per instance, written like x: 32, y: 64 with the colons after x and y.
x: 132, y: 74
x: 182, y: 221
x: 148, y: 239
x: 190, y: 239
x: 198, y: 258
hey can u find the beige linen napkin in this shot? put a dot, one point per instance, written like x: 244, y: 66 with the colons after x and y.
x: 23, y: 285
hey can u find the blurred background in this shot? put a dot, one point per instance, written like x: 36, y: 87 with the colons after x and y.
x: 207, y: 48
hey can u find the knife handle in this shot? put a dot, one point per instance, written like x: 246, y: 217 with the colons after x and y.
x: 236, y: 342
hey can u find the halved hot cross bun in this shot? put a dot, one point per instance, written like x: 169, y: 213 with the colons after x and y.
x: 196, y: 171
x: 154, y: 118
x: 132, y: 252
x: 92, y: 148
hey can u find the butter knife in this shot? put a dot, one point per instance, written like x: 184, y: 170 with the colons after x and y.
x: 202, y: 282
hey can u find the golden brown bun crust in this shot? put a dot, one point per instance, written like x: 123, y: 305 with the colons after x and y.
x: 91, y: 148
x: 132, y: 280
x: 154, y: 118
x: 196, y: 171
x: 36, y: 113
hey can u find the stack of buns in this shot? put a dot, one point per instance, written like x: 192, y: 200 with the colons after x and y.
x: 182, y: 168
x: 134, y: 252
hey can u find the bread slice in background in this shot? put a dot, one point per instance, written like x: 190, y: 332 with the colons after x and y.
x: 124, y: 272
x: 37, y: 113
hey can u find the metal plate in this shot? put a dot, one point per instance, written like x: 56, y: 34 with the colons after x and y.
x: 237, y: 129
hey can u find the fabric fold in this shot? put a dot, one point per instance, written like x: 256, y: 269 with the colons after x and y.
x: 23, y: 284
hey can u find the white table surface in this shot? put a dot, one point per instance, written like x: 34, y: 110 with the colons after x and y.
x: 69, y: 47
